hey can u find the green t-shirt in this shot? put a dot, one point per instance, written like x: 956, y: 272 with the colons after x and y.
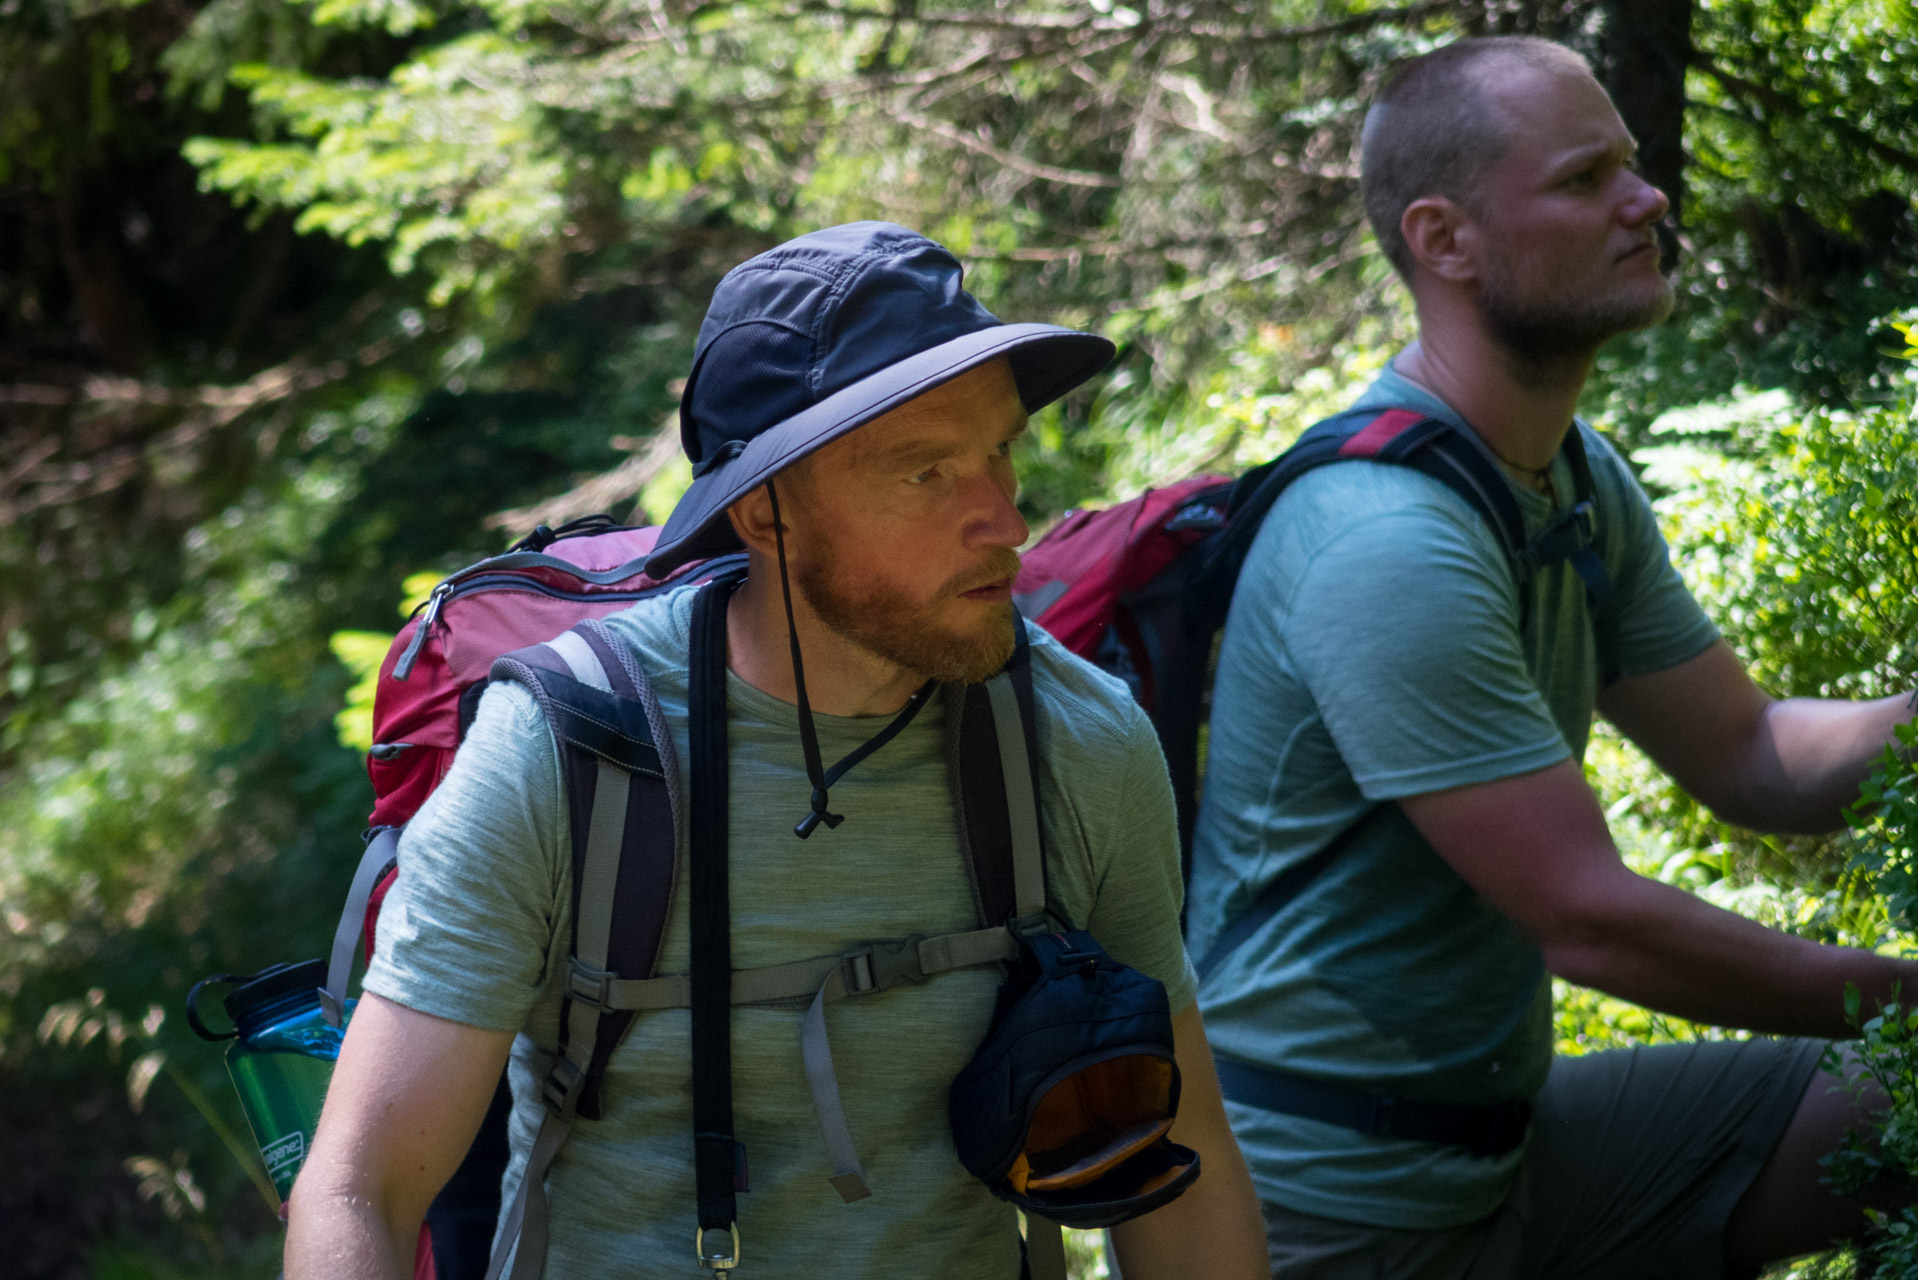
x: 1374, y: 652
x: 478, y: 926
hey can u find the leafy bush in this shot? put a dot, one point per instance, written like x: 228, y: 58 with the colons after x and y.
x: 1799, y: 534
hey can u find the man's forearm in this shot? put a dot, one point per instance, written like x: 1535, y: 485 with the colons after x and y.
x: 1214, y: 1229
x: 1658, y: 946
x: 340, y: 1236
x: 1808, y: 758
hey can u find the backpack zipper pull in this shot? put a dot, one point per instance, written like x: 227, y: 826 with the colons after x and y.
x: 404, y: 667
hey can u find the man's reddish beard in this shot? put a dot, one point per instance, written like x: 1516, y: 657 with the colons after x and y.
x: 905, y: 630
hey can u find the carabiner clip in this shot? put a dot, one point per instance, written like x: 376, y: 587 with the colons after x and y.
x: 716, y: 1261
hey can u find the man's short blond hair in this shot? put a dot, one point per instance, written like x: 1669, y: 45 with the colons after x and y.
x: 1432, y: 131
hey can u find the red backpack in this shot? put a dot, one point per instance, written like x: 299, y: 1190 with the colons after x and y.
x: 1142, y: 588
x: 428, y: 693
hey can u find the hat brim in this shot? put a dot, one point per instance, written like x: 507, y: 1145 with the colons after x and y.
x: 1047, y: 362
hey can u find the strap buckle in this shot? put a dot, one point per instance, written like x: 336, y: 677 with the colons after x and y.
x: 1569, y: 533
x: 716, y: 1260
x: 589, y: 986
x: 1023, y: 927
x: 881, y: 966
x: 561, y: 1089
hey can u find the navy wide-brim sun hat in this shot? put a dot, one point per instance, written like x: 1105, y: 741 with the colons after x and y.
x: 818, y: 337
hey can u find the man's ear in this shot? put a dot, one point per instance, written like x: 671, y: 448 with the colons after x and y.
x: 1442, y: 238
x: 752, y: 518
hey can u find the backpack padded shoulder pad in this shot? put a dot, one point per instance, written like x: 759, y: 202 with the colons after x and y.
x: 604, y: 725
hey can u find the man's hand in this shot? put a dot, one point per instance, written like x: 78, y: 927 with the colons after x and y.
x: 1213, y: 1230
x: 407, y: 1096
x: 1537, y: 848
x: 1765, y: 763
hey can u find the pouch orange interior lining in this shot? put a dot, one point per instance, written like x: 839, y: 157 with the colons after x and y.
x: 1094, y: 1120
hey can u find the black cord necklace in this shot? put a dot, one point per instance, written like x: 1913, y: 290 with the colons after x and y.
x: 822, y: 779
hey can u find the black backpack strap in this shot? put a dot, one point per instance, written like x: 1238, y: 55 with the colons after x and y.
x: 989, y: 805
x: 1574, y: 538
x: 719, y: 1161
x: 1484, y: 1131
x: 993, y: 758
x: 623, y: 818
x: 1401, y: 437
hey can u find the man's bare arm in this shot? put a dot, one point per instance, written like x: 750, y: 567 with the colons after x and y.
x: 1765, y: 763
x: 407, y: 1096
x: 1537, y: 848
x: 1214, y: 1229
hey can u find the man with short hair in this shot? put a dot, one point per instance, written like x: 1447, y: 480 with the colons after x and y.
x: 1397, y: 847
x: 850, y: 415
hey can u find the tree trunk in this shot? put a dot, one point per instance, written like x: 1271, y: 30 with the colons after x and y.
x: 1647, y: 46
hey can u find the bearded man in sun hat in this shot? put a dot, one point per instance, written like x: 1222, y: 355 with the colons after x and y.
x: 849, y: 415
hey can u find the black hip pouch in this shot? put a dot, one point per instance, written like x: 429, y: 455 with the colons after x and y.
x: 1065, y: 1108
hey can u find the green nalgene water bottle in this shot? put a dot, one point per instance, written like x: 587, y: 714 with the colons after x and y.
x: 281, y: 1058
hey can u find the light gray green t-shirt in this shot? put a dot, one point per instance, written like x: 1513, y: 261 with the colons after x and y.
x: 1374, y: 652
x: 478, y: 926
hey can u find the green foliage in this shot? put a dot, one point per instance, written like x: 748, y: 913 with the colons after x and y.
x: 1882, y: 1158
x: 1803, y: 141
x: 1798, y: 532
x: 1884, y: 828
x: 361, y: 653
x: 300, y: 294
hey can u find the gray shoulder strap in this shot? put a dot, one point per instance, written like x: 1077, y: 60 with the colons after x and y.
x: 597, y: 737
x: 381, y: 848
x: 1022, y: 806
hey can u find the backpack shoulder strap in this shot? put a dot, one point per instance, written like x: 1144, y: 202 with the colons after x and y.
x: 622, y: 794
x: 1586, y: 556
x: 993, y: 754
x: 1402, y: 437
x: 993, y: 761
x: 718, y: 1157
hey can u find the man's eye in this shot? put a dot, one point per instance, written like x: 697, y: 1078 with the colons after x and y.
x: 1005, y: 448
x: 921, y: 478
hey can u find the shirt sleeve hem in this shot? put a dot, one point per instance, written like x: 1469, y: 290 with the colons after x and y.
x: 1397, y: 784
x: 1183, y: 991
x: 1674, y: 654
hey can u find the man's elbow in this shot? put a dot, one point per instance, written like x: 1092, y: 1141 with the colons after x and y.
x: 1586, y: 939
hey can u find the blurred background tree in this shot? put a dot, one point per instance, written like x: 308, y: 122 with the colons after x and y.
x: 301, y: 300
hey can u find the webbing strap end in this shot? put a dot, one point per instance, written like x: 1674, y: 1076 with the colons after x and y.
x: 850, y: 1186
x: 560, y: 1091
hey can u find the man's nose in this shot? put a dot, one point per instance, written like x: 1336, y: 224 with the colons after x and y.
x: 992, y: 517
x: 1645, y: 203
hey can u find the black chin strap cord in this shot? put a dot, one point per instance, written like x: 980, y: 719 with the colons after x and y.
x: 821, y: 777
